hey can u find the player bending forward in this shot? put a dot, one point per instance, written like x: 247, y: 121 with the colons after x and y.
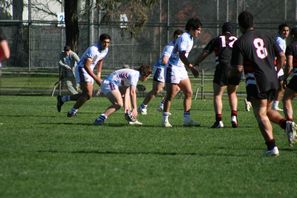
x: 123, y: 82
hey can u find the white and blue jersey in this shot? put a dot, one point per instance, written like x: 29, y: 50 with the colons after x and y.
x: 96, y: 53
x: 120, y: 78
x: 281, y: 42
x: 176, y: 70
x: 183, y: 43
x: 159, y: 67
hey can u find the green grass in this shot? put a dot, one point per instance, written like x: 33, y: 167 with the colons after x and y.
x: 45, y: 154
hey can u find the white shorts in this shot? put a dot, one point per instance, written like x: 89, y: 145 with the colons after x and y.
x: 108, y: 86
x: 159, y: 74
x: 175, y: 74
x: 81, y: 76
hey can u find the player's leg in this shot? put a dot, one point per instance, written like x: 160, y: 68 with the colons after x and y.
x: 115, y: 97
x: 186, y: 87
x: 218, y: 92
x: 260, y: 112
x: 87, y: 92
x: 279, y: 95
x: 171, y: 91
x: 233, y: 102
x: 70, y: 87
x: 157, y: 88
x: 291, y: 127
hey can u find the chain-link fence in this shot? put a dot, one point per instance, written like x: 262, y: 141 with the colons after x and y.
x: 36, y: 44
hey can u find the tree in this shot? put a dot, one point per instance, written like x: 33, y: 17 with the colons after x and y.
x: 136, y: 11
x: 71, y: 22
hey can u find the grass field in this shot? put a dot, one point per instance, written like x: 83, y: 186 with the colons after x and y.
x: 45, y: 154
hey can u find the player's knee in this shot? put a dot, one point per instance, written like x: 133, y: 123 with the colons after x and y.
x: 120, y: 104
x: 188, y: 94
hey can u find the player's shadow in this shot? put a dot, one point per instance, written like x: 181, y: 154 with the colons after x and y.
x: 27, y: 116
x: 199, y: 154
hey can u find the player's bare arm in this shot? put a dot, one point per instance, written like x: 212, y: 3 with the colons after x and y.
x: 99, y: 71
x: 88, y: 69
x: 280, y: 61
x: 165, y: 60
x: 133, y: 100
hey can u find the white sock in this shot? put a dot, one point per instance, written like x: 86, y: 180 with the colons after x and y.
x: 165, y: 116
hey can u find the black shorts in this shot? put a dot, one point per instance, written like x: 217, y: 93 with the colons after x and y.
x: 293, y: 83
x: 221, y: 76
x: 253, y: 92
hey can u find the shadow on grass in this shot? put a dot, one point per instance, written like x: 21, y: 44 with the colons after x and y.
x: 142, y: 153
x: 26, y: 115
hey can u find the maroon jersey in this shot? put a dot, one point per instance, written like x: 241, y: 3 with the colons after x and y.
x: 256, y: 52
x: 292, y: 50
x: 222, y: 47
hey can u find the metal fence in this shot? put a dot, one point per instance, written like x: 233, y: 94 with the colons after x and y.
x: 36, y: 43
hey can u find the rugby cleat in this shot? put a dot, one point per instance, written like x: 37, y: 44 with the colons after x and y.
x: 71, y: 114
x: 191, y: 123
x: 273, y: 152
x: 218, y: 124
x: 234, y: 121
x: 135, y: 122
x: 166, y: 124
x: 142, y: 111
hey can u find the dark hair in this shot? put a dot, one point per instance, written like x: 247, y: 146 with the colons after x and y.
x: 228, y: 27
x: 281, y: 26
x: 193, y: 24
x: 145, y: 70
x: 246, y: 20
x: 294, y: 32
x: 104, y: 36
x: 177, y: 32
x: 67, y: 48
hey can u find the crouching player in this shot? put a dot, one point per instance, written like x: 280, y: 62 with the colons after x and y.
x: 123, y: 82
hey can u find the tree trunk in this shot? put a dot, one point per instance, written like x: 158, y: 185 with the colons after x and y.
x: 19, y: 48
x: 71, y: 22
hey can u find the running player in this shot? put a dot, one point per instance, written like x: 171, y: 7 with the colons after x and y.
x: 158, y: 74
x: 283, y: 33
x: 4, y: 48
x: 123, y: 82
x: 254, y: 54
x: 85, y: 76
x: 222, y: 47
x: 291, y: 88
x: 176, y: 76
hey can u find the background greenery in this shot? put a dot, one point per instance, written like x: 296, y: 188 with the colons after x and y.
x: 45, y: 154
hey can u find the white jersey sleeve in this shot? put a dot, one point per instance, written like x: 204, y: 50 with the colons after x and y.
x: 281, y: 43
x: 167, y: 51
x: 95, y: 53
